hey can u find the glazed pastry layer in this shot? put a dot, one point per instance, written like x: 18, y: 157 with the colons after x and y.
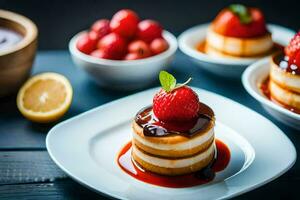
x: 173, y: 145
x: 172, y: 166
x: 286, y: 80
x: 284, y: 96
x: 240, y: 47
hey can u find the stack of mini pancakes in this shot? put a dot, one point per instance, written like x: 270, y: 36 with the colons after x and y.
x: 224, y: 46
x: 174, y: 154
x: 284, y: 86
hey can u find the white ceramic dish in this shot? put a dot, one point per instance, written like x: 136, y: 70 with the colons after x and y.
x: 252, y: 78
x: 227, y: 67
x: 120, y: 74
x: 86, y: 146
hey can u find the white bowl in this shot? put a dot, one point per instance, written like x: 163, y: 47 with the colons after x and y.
x: 252, y: 77
x: 121, y: 74
x: 226, y: 67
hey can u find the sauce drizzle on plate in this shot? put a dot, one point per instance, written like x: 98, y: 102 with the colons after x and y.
x: 203, y: 176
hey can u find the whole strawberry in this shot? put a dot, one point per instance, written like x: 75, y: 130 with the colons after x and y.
x: 240, y: 21
x: 175, y: 102
x: 294, y: 47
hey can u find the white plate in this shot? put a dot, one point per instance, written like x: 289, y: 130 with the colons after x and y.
x: 227, y: 67
x: 252, y: 78
x: 86, y: 146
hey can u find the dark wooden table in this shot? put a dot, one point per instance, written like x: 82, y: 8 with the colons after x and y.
x: 27, y: 172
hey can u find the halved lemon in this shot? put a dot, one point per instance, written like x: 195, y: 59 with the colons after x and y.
x: 45, y: 97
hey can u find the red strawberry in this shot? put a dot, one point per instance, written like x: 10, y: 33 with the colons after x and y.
x: 293, y: 47
x: 132, y: 56
x: 94, y: 36
x: 240, y: 21
x: 175, y: 103
x: 86, y: 44
x: 148, y: 30
x: 297, y: 61
x: 139, y: 47
x: 159, y: 45
x: 100, y: 53
x: 113, y: 44
x: 124, y: 23
x: 294, y: 64
x: 101, y: 27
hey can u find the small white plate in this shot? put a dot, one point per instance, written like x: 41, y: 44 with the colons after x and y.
x: 252, y: 78
x: 227, y: 67
x: 86, y: 146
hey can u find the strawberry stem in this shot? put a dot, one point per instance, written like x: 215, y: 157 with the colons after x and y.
x: 168, y: 81
x: 242, y: 12
x: 179, y: 85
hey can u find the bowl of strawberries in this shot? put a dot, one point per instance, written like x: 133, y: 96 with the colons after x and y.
x: 124, y: 52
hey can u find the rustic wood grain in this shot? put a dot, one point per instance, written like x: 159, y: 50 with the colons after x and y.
x: 17, y: 167
x: 66, y: 189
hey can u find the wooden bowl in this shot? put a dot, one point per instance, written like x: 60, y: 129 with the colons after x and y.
x: 16, y: 60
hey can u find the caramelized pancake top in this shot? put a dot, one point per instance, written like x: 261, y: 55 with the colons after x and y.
x: 145, y: 121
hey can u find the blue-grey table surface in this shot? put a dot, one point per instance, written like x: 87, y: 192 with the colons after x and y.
x: 26, y: 170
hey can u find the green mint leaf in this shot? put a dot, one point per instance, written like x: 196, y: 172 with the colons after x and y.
x: 242, y: 12
x: 245, y: 19
x: 167, y: 81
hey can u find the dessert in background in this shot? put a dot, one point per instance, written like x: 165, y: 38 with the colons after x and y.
x: 283, y: 85
x: 124, y: 37
x: 238, y: 31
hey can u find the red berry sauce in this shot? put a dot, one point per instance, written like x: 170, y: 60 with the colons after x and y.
x: 203, y: 176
